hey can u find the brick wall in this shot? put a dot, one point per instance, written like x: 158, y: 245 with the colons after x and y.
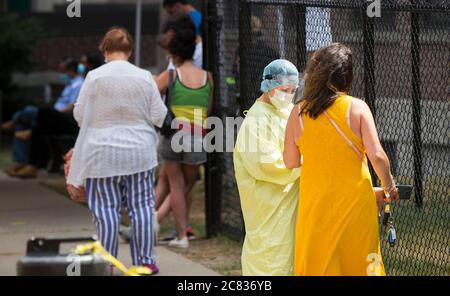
x: 50, y: 51
x: 75, y: 36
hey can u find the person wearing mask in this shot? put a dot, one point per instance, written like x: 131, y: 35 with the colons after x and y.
x: 115, y: 156
x: 329, y: 134
x: 268, y: 190
x: 191, y: 102
x: 58, y: 116
x: 90, y: 61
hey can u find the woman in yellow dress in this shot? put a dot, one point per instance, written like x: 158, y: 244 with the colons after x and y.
x: 329, y: 135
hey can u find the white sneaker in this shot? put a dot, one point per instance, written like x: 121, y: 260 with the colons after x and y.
x: 181, y: 244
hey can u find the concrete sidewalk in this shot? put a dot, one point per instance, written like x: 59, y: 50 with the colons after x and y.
x: 29, y: 209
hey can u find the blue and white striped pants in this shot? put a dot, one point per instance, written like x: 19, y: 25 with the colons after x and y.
x: 105, y: 198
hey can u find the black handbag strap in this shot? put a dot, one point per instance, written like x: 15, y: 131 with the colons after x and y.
x: 166, y: 129
x: 169, y: 92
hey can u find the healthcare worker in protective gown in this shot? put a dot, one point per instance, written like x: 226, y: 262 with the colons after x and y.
x: 267, y: 189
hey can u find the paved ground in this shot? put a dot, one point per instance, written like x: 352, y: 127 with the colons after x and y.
x: 28, y: 209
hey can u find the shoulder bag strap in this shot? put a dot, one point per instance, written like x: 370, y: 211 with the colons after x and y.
x: 349, y: 142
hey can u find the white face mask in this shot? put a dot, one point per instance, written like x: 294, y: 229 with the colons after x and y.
x: 281, y: 100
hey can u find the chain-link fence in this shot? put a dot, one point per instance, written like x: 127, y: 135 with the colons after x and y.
x: 401, y: 68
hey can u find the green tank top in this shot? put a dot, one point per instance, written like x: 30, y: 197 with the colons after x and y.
x: 191, y: 104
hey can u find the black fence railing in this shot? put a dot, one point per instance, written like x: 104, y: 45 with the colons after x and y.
x: 401, y: 61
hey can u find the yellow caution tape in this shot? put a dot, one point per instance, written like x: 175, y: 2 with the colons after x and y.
x: 97, y: 248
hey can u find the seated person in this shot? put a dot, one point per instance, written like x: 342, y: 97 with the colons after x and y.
x: 60, y: 116
x: 90, y: 61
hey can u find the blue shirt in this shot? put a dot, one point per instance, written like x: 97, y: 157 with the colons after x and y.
x: 70, y: 94
x: 197, y: 19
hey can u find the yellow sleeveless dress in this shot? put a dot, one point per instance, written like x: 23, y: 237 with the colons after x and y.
x: 337, y: 224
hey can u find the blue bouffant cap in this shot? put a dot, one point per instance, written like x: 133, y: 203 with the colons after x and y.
x: 278, y: 73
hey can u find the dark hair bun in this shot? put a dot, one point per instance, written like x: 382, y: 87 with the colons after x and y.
x: 183, y: 44
x: 187, y: 36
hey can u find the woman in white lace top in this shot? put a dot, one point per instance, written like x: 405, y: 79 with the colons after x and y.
x: 115, y: 153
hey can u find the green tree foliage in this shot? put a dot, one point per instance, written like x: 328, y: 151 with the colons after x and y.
x: 18, y: 36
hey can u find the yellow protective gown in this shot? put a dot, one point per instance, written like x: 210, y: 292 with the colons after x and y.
x: 268, y: 192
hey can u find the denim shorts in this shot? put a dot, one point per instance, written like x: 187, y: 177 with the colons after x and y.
x: 183, y: 147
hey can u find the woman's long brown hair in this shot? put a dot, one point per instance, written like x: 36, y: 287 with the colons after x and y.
x: 329, y: 73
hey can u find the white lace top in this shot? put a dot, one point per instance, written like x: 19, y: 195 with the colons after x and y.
x: 118, y: 107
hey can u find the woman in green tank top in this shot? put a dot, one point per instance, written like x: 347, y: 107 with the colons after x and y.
x: 183, y: 153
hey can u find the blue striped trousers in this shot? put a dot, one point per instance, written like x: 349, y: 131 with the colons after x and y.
x: 105, y: 198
